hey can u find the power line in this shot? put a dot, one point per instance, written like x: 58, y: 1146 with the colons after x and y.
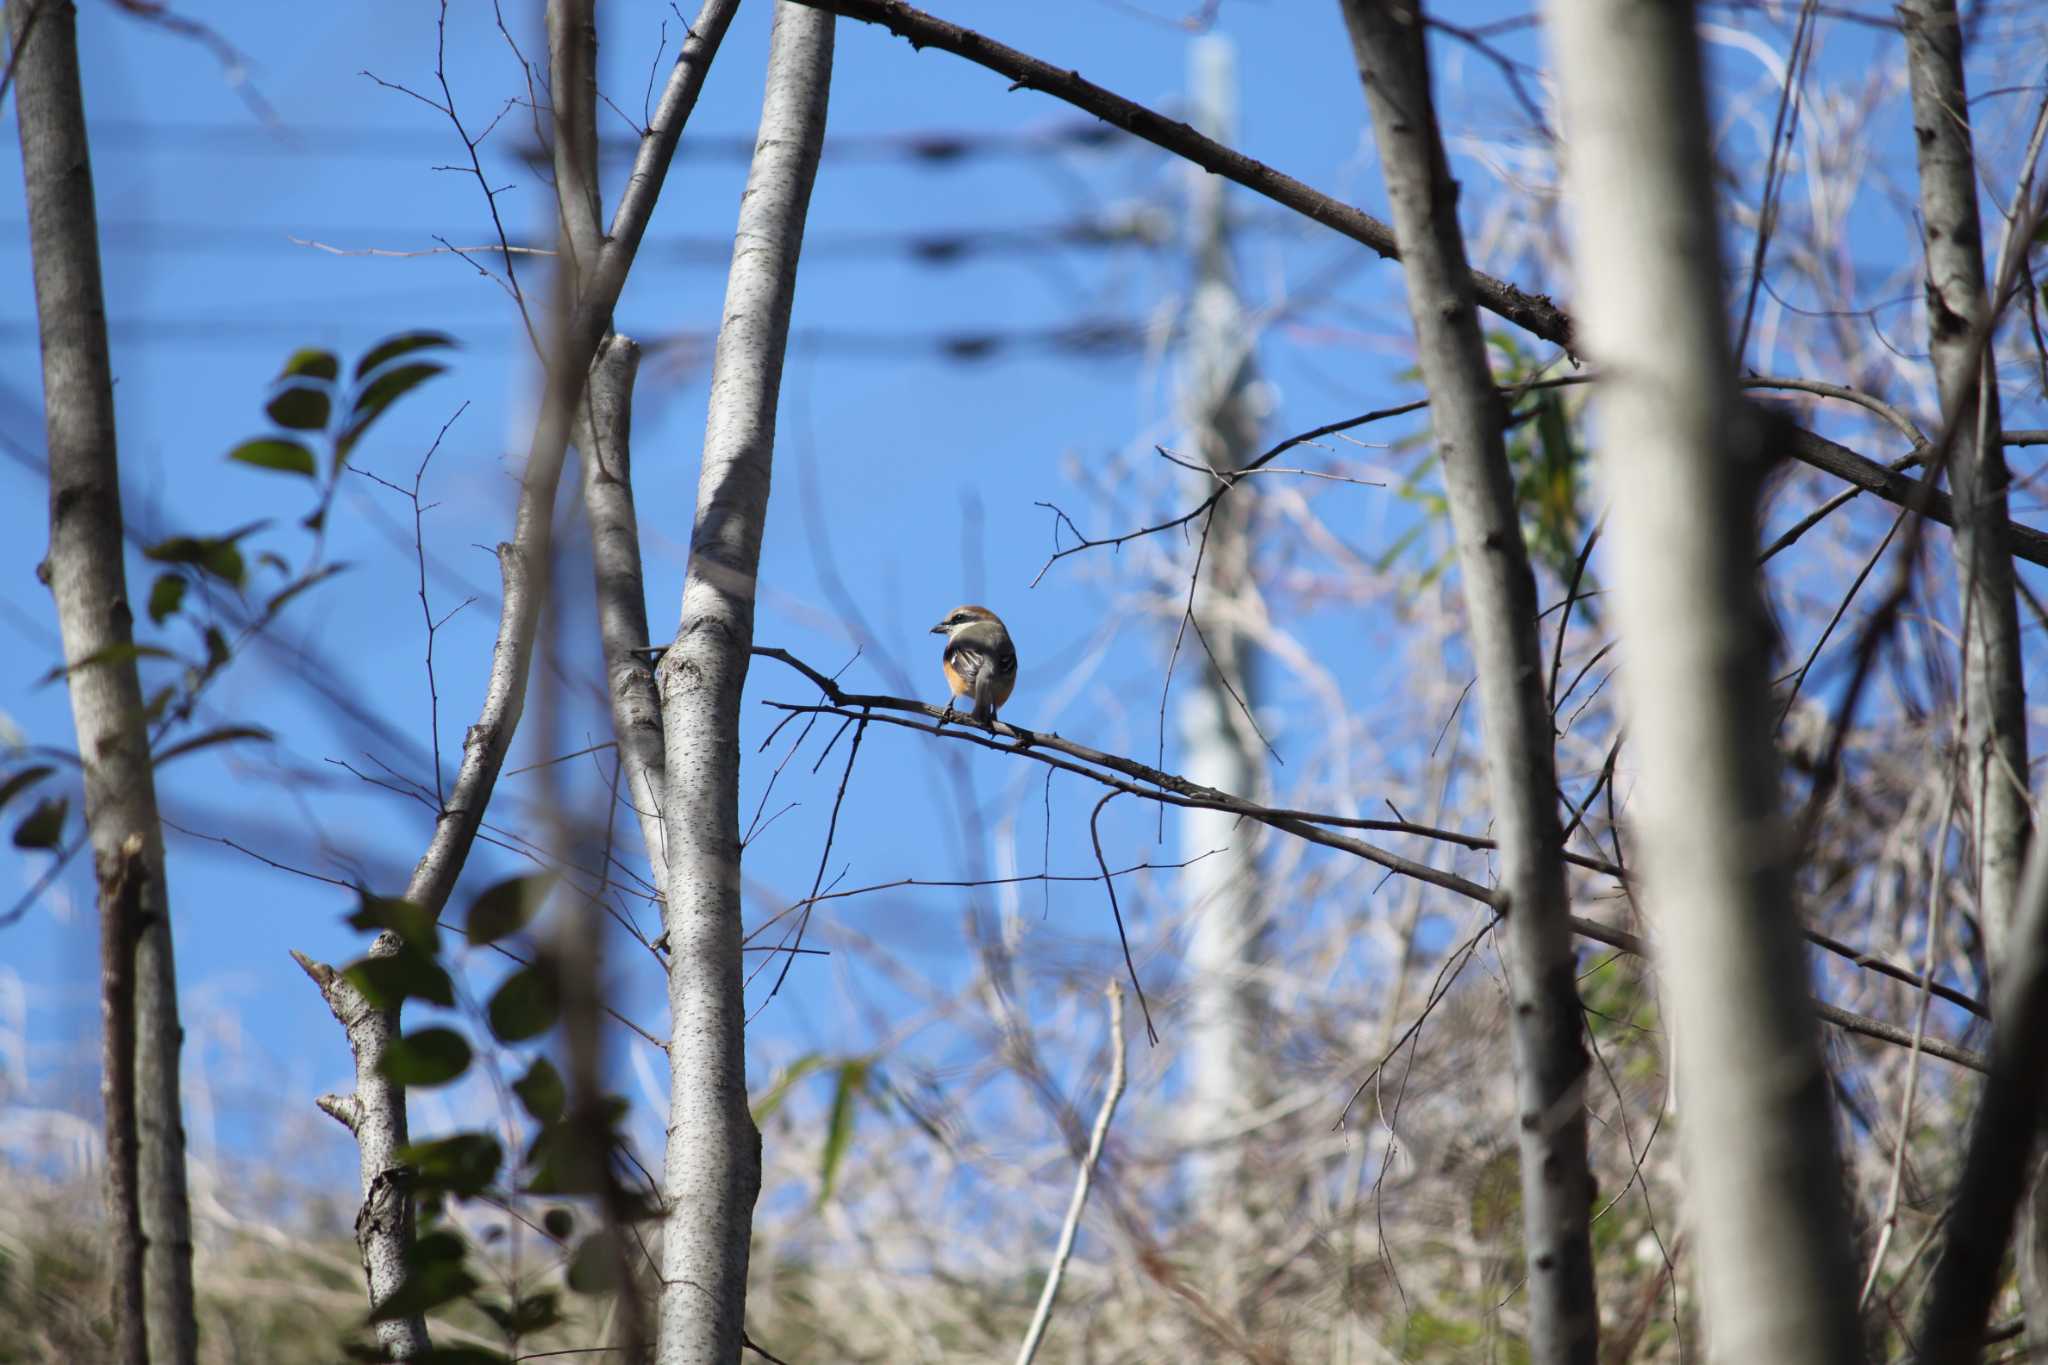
x: 932, y: 148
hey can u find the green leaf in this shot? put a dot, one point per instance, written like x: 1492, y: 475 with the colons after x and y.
x: 216, y: 555
x: 301, y: 407
x: 541, y: 1090
x: 217, y: 653
x: 409, y: 921
x: 311, y: 363
x: 226, y: 734
x: 507, y: 907
x: 43, y: 827
x: 311, y: 580
x: 159, y: 701
x: 594, y: 1267
x: 389, y: 980
x: 386, y: 389
x: 778, y: 1092
x: 19, y: 782
x: 112, y: 654
x: 166, y: 595
x: 853, y: 1078
x: 431, y: 1056
x: 563, y: 1159
x: 270, y: 452
x: 526, y: 1005
x: 405, y: 343
x: 464, y: 1164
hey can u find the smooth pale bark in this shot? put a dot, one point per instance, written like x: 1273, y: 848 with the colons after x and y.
x: 1763, y: 1181
x: 1220, y: 890
x: 713, y: 1168
x: 621, y: 590
x: 88, y: 578
x: 374, y: 1113
x: 1994, y: 685
x: 1466, y: 420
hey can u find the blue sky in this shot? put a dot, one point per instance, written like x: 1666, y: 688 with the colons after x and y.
x: 923, y: 465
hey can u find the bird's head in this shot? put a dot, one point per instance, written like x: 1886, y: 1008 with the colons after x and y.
x: 961, y: 617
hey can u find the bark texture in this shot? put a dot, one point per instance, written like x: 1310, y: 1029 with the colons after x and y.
x: 1994, y: 728
x: 88, y: 577
x: 712, y: 1171
x: 2003, y: 1133
x: 374, y: 1112
x: 1467, y: 417
x: 120, y: 919
x: 1763, y: 1181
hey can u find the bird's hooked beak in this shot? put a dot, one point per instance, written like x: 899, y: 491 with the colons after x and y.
x: 939, y: 629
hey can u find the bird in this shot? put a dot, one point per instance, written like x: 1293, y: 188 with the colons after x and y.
x: 980, y: 661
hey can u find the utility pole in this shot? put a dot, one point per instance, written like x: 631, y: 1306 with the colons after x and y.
x: 1220, y: 894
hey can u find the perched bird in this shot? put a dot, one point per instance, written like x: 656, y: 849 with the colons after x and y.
x: 980, y: 661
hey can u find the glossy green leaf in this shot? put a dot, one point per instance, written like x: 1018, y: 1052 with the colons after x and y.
x: 19, y: 782
x: 409, y: 921
x: 312, y: 363
x: 464, y: 1164
x: 271, y: 452
x: 405, y: 343
x: 43, y: 827
x: 388, y: 981
x: 429, y: 1057
x: 166, y: 595
x: 506, y: 907
x: 386, y: 389
x: 226, y: 734
x: 301, y: 407
x: 216, y: 555
x: 526, y: 1005
x: 541, y: 1090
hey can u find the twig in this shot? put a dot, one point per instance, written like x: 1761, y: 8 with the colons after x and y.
x: 1083, y: 1179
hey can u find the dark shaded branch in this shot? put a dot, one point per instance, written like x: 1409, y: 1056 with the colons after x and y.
x: 1534, y: 313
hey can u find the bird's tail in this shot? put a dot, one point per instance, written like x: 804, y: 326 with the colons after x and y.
x: 985, y: 695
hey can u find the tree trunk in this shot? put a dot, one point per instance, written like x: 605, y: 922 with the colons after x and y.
x: 621, y: 590
x: 1466, y: 418
x: 713, y: 1167
x: 88, y: 577
x: 1994, y: 686
x: 1220, y: 891
x: 1763, y: 1182
x: 374, y: 1114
